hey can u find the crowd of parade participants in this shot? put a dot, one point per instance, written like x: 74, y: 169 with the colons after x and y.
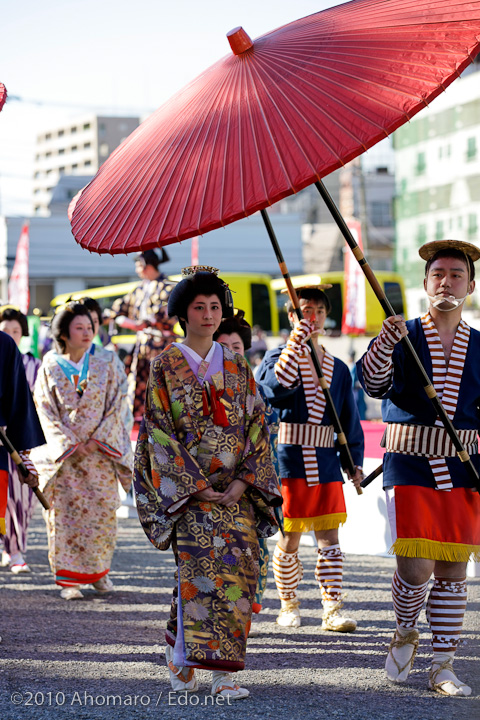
x: 225, y: 460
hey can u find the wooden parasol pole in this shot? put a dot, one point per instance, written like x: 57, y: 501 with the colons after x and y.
x: 384, y: 302
x: 345, y: 454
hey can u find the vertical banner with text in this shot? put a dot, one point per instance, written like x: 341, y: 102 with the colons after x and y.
x: 18, y: 291
x: 354, y: 317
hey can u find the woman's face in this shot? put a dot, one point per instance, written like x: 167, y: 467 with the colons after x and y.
x: 204, y: 316
x: 96, y: 321
x: 233, y: 341
x: 80, y: 333
x: 12, y: 328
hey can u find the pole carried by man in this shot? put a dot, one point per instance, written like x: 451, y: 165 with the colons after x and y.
x: 432, y: 503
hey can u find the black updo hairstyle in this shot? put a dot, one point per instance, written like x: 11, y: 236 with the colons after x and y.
x: 199, y: 283
x: 62, y: 319
x: 12, y: 313
x: 236, y: 324
x: 92, y: 306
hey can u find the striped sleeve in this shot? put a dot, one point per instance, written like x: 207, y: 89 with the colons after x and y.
x: 286, y: 367
x: 377, y: 362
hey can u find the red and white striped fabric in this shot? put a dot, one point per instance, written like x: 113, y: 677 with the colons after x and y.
x: 426, y: 440
x: 407, y: 601
x: 446, y: 607
x: 306, y: 434
x: 286, y: 367
x: 377, y: 362
x: 329, y: 573
x: 287, y: 572
x: 316, y: 404
x: 446, y: 382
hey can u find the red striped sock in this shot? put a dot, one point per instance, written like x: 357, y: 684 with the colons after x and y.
x: 446, y: 606
x: 329, y: 572
x: 407, y: 601
x: 287, y: 571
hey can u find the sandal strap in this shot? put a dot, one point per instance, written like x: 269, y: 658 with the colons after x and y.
x: 178, y: 672
x: 399, y: 641
x: 227, y: 687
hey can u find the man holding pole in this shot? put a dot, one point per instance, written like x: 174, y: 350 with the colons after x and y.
x: 432, y: 505
x: 309, y: 465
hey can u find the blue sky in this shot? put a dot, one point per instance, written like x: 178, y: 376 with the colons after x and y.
x: 77, y: 56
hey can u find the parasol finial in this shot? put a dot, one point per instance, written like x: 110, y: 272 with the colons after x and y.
x: 239, y: 40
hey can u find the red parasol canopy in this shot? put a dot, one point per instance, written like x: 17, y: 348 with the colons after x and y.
x: 3, y: 95
x: 273, y: 117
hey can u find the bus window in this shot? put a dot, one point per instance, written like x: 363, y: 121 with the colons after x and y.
x: 333, y: 323
x: 261, y: 314
x: 393, y: 292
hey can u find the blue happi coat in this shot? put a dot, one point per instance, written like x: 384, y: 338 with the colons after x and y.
x: 406, y: 402
x: 292, y: 407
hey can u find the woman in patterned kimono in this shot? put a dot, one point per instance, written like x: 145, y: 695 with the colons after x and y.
x: 21, y: 498
x: 205, y: 484
x: 79, y: 400
x: 144, y: 310
x: 236, y: 334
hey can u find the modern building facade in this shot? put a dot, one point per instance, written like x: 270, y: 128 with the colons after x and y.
x: 437, y: 161
x: 76, y: 148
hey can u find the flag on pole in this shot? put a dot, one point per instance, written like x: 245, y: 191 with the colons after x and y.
x: 354, y: 318
x: 18, y: 291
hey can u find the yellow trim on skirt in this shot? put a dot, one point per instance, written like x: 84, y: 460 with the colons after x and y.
x: 3, y: 529
x: 321, y: 522
x: 434, y: 550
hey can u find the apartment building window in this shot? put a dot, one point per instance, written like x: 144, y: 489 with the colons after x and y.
x: 471, y: 148
x: 102, y: 130
x: 48, y: 136
x: 439, y: 231
x: 73, y: 130
x: 61, y: 151
x: 61, y: 170
x: 74, y: 148
x: 87, y: 163
x: 421, y: 165
x: 61, y: 133
x: 421, y: 234
x: 87, y: 145
x: 381, y: 214
x: 87, y: 126
x: 472, y: 225
x: 48, y: 154
x: 75, y: 166
x: 104, y: 150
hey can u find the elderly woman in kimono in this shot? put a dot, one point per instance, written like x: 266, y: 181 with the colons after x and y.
x: 205, y: 484
x: 79, y: 399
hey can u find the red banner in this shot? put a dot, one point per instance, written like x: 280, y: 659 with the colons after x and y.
x: 354, y: 317
x: 18, y: 290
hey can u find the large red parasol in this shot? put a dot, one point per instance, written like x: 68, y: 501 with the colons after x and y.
x: 3, y: 95
x: 277, y: 115
x: 273, y: 117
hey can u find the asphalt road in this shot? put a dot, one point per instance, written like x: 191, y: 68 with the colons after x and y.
x: 102, y: 657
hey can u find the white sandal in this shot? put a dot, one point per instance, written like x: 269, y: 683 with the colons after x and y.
x: 223, y: 685
x: 177, y: 680
x: 451, y: 686
x: 399, y: 671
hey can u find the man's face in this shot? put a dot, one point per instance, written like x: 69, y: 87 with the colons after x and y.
x: 448, y: 278
x: 314, y: 311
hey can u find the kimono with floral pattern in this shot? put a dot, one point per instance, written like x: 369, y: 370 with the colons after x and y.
x: 146, y: 303
x: 82, y: 491
x: 180, y: 450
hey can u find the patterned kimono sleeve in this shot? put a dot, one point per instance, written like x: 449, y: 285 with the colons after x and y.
x: 125, y: 306
x: 256, y: 467
x: 61, y: 439
x: 166, y: 475
x: 111, y: 435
